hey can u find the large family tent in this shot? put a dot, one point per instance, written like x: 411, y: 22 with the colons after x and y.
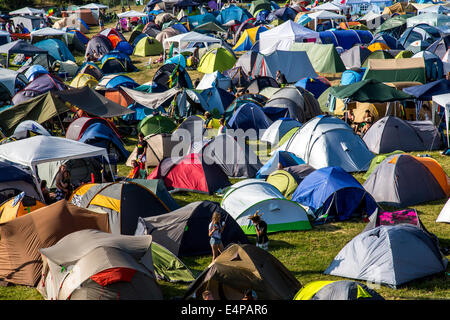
x: 18, y: 206
x: 124, y: 202
x: 444, y: 215
x: 155, y: 124
x: 184, y: 232
x: 396, y: 70
x: 403, y: 180
x: 333, y: 194
x: 21, y: 239
x: 159, y: 147
x: 233, y: 155
x: 246, y: 197
x: 191, y: 173
x: 14, y: 180
x: 389, y: 255
x: 337, y: 290
x: 243, y: 267
x: 327, y: 141
x: 148, y: 46
x: 295, y: 65
x: 392, y: 133
x: 278, y: 129
x: 94, y: 265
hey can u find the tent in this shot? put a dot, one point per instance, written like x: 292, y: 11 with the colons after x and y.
x: 431, y: 18
x: 94, y: 265
x: 257, y: 84
x: 14, y: 180
x: 124, y: 202
x: 56, y: 48
x: 283, y: 36
x: 116, y: 80
x: 248, y: 38
x: 243, y: 267
x: 191, y: 173
x: 215, y: 79
x: 21, y: 239
x: 330, y: 193
x: 295, y: 65
x: 42, y: 84
x: 172, y: 75
x: 392, y: 133
x: 32, y: 127
x: 155, y: 124
x: 323, y: 57
x: 377, y: 160
x: 249, y: 116
x: 218, y: 59
x: 417, y: 180
x: 78, y: 127
x: 346, y: 39
x: 20, y: 46
x: 326, y: 141
x: 99, y: 45
x: 284, y: 158
x: 444, y: 215
x: 35, y: 71
x: 14, y: 81
x: 337, y: 290
x: 148, y: 46
x: 18, y: 206
x: 399, y: 254
x: 184, y: 231
x: 314, y: 85
x: 443, y: 100
x: 284, y: 182
x: 183, y: 40
x: 159, y: 147
x: 377, y: 55
x: 244, y: 198
x: 84, y: 80
x: 278, y: 129
x: 355, y: 56
x: 232, y: 15
x: 233, y: 155
x: 425, y: 92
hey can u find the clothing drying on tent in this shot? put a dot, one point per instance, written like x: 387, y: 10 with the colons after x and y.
x: 184, y: 232
x: 244, y: 198
x: 389, y: 255
x: 403, y: 180
x: 191, y: 173
x: 94, y: 265
x: 332, y: 194
x: 337, y: 290
x: 243, y: 267
x: 123, y: 202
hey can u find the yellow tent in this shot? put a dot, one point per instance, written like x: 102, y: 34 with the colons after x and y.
x: 83, y: 80
x: 17, y: 207
x: 378, y: 46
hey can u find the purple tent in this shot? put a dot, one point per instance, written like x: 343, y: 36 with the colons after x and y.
x: 213, y: 5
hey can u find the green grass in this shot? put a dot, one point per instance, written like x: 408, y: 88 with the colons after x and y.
x: 305, y: 253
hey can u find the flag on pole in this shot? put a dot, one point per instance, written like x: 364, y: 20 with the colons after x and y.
x: 314, y: 3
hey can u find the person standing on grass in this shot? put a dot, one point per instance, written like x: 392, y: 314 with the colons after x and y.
x: 142, y: 146
x: 262, y: 241
x: 215, y: 233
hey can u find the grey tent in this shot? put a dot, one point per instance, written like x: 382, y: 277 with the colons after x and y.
x: 337, y: 290
x: 299, y: 103
x: 20, y: 46
x: 355, y: 56
x: 389, y: 255
x: 159, y: 147
x: 402, y: 180
x: 184, y: 232
x: 94, y: 265
x: 391, y: 133
x: 236, y: 159
x: 247, y: 61
x: 299, y: 172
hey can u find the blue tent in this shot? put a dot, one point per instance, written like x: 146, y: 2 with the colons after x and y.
x: 140, y: 112
x: 285, y: 13
x: 217, y: 98
x: 116, y: 54
x: 346, y: 38
x: 121, y: 80
x: 10, y: 172
x: 84, y: 40
x: 35, y: 71
x: 56, y: 48
x: 180, y: 27
x: 100, y: 135
x: 313, y: 85
x: 287, y: 159
x: 249, y: 116
x: 427, y: 91
x: 200, y: 19
x: 332, y: 193
x: 124, y: 47
x: 177, y: 59
x: 233, y: 14
x: 351, y: 76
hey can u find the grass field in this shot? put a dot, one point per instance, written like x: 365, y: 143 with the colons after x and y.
x: 307, y: 253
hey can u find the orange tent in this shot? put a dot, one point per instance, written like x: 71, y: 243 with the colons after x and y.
x: 15, y: 207
x: 119, y: 96
x: 114, y: 40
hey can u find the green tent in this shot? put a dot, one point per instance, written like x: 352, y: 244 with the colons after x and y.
x: 404, y: 54
x: 324, y: 57
x: 396, y: 70
x: 217, y: 59
x: 369, y: 91
x: 377, y: 160
x: 259, y: 5
x: 39, y: 109
x: 394, y: 26
x: 156, y: 124
x: 323, y: 100
x: 168, y: 266
x: 378, y: 54
x: 209, y: 27
x: 284, y: 182
x: 148, y: 46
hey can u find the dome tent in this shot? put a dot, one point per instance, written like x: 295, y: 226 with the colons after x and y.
x: 337, y: 290
x: 398, y: 254
x: 278, y: 129
x: 148, y: 46
x: 159, y: 147
x: 155, y: 124
x: 286, y: 159
x: 444, y: 215
x: 331, y: 193
x: 249, y: 116
x: 244, y: 198
x: 184, y: 231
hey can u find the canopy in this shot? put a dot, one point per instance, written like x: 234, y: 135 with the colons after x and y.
x: 184, y: 39
x: 20, y: 46
x: 444, y: 100
x: 325, y: 15
x: 48, y: 32
x: 97, y: 6
x: 131, y: 14
x: 27, y: 11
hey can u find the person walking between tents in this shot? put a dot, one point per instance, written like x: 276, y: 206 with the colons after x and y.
x: 215, y: 233
x: 281, y: 79
x: 142, y: 145
x: 262, y: 241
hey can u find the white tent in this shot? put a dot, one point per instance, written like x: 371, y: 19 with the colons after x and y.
x: 246, y: 197
x: 283, y: 36
x: 95, y: 6
x: 444, y: 101
x: 330, y: 7
x: 432, y: 19
x: 27, y: 11
x: 37, y: 150
x: 184, y: 39
x: 48, y: 32
x: 325, y: 15
x: 214, y: 79
x: 372, y: 19
x: 444, y: 216
x: 131, y: 14
x: 439, y: 8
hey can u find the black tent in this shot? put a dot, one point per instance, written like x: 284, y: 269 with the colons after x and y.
x: 100, y: 45
x: 20, y: 46
x: 167, y: 74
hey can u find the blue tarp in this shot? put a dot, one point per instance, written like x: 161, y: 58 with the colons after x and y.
x: 345, y: 38
x: 100, y: 135
x: 56, y: 48
x: 331, y: 192
x: 428, y: 90
x: 140, y: 112
x: 287, y: 159
x: 249, y: 116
